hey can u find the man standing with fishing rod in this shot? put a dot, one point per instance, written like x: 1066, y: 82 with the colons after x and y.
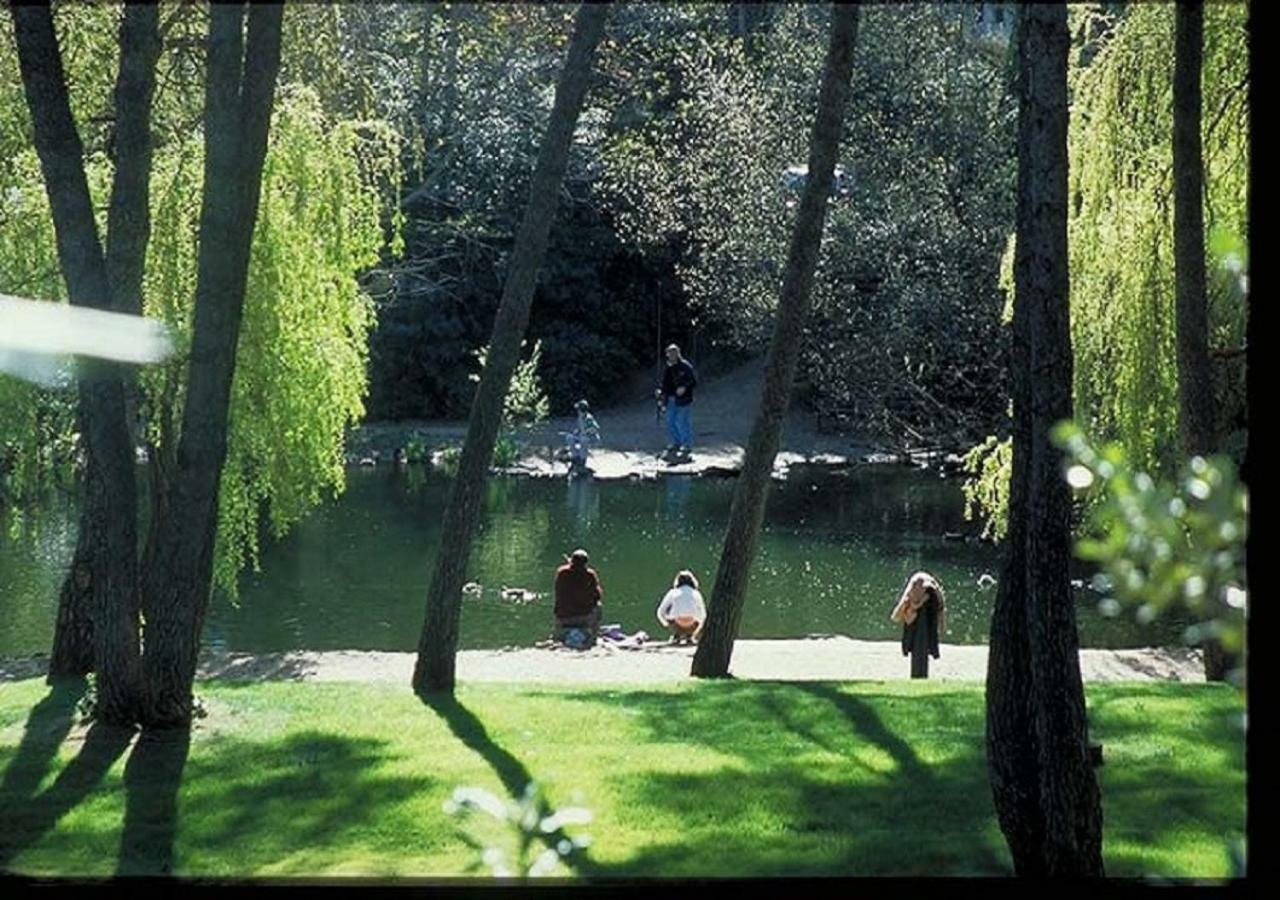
x: 675, y: 397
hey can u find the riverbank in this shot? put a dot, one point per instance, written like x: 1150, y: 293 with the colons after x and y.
x: 834, y: 658
x: 633, y: 437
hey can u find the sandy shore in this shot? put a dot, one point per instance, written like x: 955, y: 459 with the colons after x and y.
x: 633, y: 436
x: 813, y: 659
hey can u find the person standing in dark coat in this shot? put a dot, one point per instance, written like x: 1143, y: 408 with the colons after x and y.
x: 922, y: 611
x: 676, y: 397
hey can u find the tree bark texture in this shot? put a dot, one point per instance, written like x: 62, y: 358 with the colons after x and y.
x: 1010, y: 738
x: 1195, y: 385
x: 111, y: 501
x: 438, y: 644
x: 128, y: 230
x: 1196, y: 417
x: 1070, y: 809
x: 239, y: 91
x: 724, y: 614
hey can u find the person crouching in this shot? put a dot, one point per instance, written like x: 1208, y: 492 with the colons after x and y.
x: 577, y: 597
x: 682, y: 611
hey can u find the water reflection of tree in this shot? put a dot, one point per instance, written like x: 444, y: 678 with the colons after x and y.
x: 675, y: 503
x: 582, y: 496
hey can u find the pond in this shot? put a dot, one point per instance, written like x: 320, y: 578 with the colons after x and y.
x: 833, y: 557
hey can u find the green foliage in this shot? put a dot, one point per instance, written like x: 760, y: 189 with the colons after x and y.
x: 300, y: 368
x: 528, y: 823
x: 526, y: 401
x: 39, y: 444
x: 1163, y: 543
x: 415, y: 450
x: 525, y: 404
x: 1121, y: 225
x: 986, y: 490
x: 302, y: 358
x: 1123, y: 325
x: 905, y: 332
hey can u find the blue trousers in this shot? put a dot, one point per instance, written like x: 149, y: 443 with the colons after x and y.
x: 679, y: 424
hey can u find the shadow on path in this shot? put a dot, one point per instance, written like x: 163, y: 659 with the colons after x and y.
x: 152, y: 777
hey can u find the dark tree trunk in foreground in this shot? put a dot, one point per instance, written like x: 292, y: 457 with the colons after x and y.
x: 1037, y: 743
x: 729, y: 594
x: 128, y: 230
x: 1011, y: 745
x: 438, y: 644
x: 178, y: 572
x: 1195, y: 387
x: 110, y: 558
x: 1196, y: 418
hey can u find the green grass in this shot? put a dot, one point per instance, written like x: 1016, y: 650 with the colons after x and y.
x: 697, y: 779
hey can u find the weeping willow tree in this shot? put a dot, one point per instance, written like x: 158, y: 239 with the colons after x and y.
x: 1121, y: 245
x: 300, y: 375
x: 302, y: 356
x: 1121, y: 227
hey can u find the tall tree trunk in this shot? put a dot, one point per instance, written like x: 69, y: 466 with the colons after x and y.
x: 729, y: 594
x: 111, y: 498
x: 128, y: 230
x: 1049, y: 760
x: 1011, y: 743
x: 1069, y: 796
x: 438, y: 644
x: 1195, y: 382
x: 177, y: 575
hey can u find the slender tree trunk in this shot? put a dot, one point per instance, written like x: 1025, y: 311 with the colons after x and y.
x: 711, y: 660
x: 111, y: 500
x: 1069, y: 796
x: 1043, y: 755
x: 438, y: 644
x: 128, y: 230
x: 1196, y: 419
x: 178, y: 573
x: 1011, y: 744
x: 1195, y: 386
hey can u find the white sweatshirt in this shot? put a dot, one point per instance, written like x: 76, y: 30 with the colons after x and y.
x: 682, y: 601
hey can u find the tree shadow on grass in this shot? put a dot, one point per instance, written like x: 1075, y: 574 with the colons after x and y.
x: 792, y: 801
x: 790, y: 806
x: 26, y: 820
x: 288, y: 805
x: 47, y: 727
x: 513, y: 774
x: 152, y: 777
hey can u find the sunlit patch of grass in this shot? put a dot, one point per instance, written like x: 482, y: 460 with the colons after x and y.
x: 716, y: 779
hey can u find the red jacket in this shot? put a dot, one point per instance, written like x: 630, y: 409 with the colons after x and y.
x: 577, y: 591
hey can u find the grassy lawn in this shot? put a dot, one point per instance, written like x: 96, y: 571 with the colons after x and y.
x: 697, y: 779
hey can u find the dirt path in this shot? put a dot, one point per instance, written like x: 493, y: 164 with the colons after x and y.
x: 834, y: 658
x: 813, y: 659
x: 632, y: 435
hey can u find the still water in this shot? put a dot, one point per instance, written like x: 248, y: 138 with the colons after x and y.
x: 833, y: 557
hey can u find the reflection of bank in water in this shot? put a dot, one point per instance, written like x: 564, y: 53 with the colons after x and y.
x: 583, y: 498
x: 675, y: 496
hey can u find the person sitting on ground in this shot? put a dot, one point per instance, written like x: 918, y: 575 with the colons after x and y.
x: 577, y: 597
x: 682, y: 611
